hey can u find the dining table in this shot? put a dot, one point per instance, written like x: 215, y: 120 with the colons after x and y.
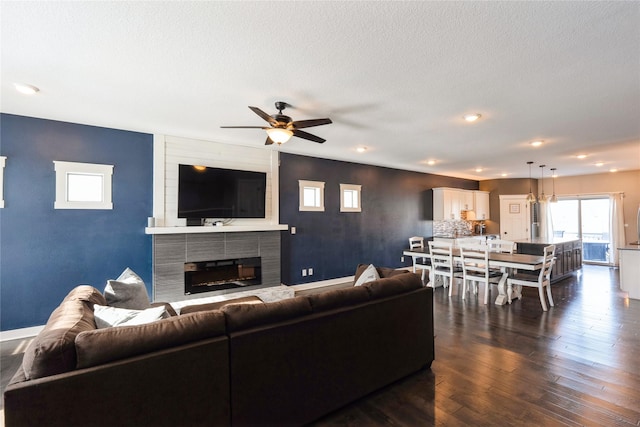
x: 506, y: 262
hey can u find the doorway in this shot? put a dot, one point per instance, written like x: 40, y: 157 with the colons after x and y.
x: 515, y: 217
x: 586, y: 218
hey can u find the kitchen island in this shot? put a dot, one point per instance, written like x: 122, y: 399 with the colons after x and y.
x: 630, y: 270
x: 568, y: 254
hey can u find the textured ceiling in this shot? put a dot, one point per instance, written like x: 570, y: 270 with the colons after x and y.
x: 396, y: 77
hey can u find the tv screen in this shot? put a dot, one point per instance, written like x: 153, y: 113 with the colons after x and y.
x: 205, y: 192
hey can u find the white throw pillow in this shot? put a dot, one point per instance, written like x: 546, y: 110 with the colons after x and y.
x: 107, y: 317
x: 368, y: 275
x: 127, y: 291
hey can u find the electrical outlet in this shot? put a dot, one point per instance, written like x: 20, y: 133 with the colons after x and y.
x: 304, y: 272
x: 401, y: 259
x: 293, y: 230
x: 311, y: 272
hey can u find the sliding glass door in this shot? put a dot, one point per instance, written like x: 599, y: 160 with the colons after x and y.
x: 586, y: 218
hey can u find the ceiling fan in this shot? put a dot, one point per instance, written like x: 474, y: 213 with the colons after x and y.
x: 283, y: 127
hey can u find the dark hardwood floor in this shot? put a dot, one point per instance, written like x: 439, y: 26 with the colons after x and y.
x: 577, y: 364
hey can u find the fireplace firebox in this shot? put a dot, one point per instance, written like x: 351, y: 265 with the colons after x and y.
x: 209, y: 276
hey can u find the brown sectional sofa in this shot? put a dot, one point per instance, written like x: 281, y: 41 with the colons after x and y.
x: 282, y: 363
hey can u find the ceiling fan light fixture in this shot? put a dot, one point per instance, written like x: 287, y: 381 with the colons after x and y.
x: 279, y: 136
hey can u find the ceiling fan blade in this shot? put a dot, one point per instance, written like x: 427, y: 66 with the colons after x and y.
x: 306, y: 135
x: 268, y: 141
x: 264, y: 115
x: 308, y: 123
x: 244, y: 127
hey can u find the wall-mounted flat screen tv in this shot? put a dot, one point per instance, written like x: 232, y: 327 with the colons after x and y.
x: 206, y: 192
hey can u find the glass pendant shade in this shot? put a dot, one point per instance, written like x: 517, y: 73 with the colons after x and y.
x: 530, y: 197
x: 279, y: 136
x: 554, y: 198
x: 542, y: 197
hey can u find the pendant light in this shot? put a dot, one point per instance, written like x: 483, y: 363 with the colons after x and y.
x: 542, y: 198
x: 530, y: 197
x: 554, y: 198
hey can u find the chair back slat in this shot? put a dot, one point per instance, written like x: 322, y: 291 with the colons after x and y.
x: 504, y: 246
x: 416, y: 242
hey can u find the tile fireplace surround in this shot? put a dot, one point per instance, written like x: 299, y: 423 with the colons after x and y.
x: 171, y: 251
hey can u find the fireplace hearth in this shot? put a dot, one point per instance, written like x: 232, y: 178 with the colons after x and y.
x: 210, y: 276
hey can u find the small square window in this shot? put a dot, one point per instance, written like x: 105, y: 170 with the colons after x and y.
x: 311, y: 195
x: 350, y: 198
x: 83, y: 185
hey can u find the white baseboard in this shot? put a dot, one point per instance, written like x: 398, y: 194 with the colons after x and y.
x: 18, y: 334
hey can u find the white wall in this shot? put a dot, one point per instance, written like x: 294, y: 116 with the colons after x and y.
x: 170, y: 151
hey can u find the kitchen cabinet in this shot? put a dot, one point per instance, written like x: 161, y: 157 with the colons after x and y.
x: 568, y: 255
x: 466, y: 200
x: 481, y: 205
x: 447, y: 203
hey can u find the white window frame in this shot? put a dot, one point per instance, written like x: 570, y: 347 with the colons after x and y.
x: 65, y: 169
x: 351, y: 188
x: 3, y: 161
x: 319, y: 187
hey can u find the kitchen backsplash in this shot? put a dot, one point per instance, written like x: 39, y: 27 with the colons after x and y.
x: 454, y: 227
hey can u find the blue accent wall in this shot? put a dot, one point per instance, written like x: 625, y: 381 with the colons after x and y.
x: 44, y: 253
x: 333, y: 243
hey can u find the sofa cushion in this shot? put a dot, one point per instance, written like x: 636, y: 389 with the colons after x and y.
x: 369, y: 274
x: 382, y: 271
x: 86, y: 293
x: 127, y: 291
x: 244, y: 316
x: 339, y: 298
x: 168, y: 307
x: 397, y: 284
x: 104, y: 345
x: 107, y: 317
x: 219, y: 304
x: 53, y: 350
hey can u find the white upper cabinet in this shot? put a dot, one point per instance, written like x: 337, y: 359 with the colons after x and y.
x: 466, y: 200
x: 449, y: 202
x: 481, y: 205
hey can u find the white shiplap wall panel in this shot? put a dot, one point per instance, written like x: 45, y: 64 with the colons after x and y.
x: 207, y: 153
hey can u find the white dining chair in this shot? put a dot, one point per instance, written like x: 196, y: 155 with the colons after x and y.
x: 475, y: 269
x: 420, y: 262
x: 442, y: 263
x: 504, y: 246
x: 540, y: 281
x: 470, y: 241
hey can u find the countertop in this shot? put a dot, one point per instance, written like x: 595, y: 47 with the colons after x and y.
x: 543, y: 241
x: 630, y: 248
x: 463, y: 236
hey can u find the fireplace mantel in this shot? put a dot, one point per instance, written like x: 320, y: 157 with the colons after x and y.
x: 215, y: 229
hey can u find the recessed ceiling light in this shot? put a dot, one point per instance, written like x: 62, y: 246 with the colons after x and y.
x: 26, y: 89
x: 599, y: 164
x: 581, y: 156
x: 504, y: 174
x: 472, y: 117
x: 431, y: 162
x: 361, y: 149
x: 613, y: 170
x: 478, y: 170
x: 536, y: 143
